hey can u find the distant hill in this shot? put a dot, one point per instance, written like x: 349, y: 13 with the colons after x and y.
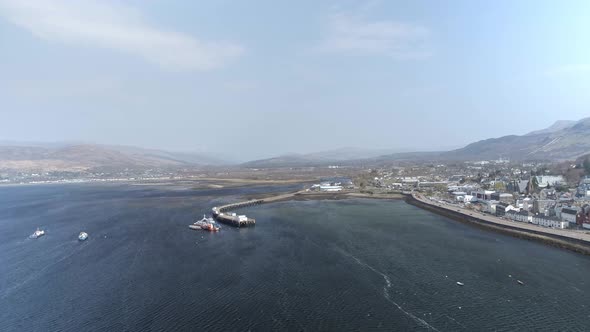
x: 557, y: 126
x: 329, y: 157
x: 563, y: 140
x: 77, y: 157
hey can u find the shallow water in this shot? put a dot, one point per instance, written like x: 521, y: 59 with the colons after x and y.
x: 315, y: 265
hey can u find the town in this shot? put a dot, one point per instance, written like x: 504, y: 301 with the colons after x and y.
x: 548, y: 195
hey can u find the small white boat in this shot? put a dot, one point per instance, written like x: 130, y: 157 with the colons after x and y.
x: 520, y: 282
x: 38, y: 233
x: 460, y: 283
x: 83, y: 236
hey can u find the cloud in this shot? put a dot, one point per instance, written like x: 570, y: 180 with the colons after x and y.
x: 118, y: 27
x: 566, y: 70
x: 354, y: 35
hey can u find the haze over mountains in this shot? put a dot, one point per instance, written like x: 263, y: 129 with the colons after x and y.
x: 80, y: 157
x: 564, y: 140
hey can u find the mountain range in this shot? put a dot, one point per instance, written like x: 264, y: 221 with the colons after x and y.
x: 564, y: 140
x: 81, y: 157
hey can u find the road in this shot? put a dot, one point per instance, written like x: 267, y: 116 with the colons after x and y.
x: 573, y: 234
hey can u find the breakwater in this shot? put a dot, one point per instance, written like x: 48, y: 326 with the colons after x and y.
x: 223, y: 214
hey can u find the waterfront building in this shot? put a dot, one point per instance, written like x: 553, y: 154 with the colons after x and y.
x: 324, y: 187
x: 547, y: 221
x: 501, y: 209
x: 569, y: 215
x: 521, y: 216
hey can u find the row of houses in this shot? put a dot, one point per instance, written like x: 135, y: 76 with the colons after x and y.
x: 564, y: 217
x: 555, y: 213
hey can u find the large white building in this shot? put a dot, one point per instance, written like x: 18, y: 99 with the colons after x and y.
x: 552, y: 180
x: 330, y: 188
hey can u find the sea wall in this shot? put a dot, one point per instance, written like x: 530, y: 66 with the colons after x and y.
x: 563, y: 242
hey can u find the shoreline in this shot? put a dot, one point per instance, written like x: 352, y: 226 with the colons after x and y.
x: 568, y: 240
x: 309, y: 196
x: 540, y: 235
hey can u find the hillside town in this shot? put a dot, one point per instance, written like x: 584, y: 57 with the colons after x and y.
x: 546, y: 195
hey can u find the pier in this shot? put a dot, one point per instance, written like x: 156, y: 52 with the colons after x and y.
x: 223, y: 214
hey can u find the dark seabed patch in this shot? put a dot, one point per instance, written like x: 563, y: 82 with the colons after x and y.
x: 312, y: 265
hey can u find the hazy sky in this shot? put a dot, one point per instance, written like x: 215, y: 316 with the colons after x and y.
x: 260, y: 78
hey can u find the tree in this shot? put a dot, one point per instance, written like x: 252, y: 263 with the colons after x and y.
x: 533, y: 185
x: 573, y: 176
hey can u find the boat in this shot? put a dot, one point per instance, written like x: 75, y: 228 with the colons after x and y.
x: 82, y: 236
x: 207, y: 220
x: 460, y: 283
x: 38, y: 233
x: 520, y: 282
x: 206, y: 224
x: 210, y: 227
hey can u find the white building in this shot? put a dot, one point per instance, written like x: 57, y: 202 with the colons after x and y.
x: 330, y: 188
x: 545, y: 221
x: 522, y: 216
x: 551, y: 180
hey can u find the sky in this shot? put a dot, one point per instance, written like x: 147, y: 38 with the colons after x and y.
x: 260, y: 78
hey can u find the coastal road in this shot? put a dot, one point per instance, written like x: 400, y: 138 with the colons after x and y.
x: 573, y: 234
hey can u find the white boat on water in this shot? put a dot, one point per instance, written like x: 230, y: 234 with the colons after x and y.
x: 83, y: 236
x: 460, y: 283
x: 207, y: 224
x: 208, y: 220
x: 38, y: 233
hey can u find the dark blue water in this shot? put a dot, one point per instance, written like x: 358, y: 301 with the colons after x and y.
x: 317, y: 265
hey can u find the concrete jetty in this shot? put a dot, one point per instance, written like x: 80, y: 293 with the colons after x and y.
x: 223, y: 214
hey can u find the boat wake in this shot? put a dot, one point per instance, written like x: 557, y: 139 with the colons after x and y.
x: 386, y: 295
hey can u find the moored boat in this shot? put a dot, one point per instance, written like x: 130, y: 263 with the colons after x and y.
x: 38, y: 233
x: 82, y: 236
x: 206, y: 224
